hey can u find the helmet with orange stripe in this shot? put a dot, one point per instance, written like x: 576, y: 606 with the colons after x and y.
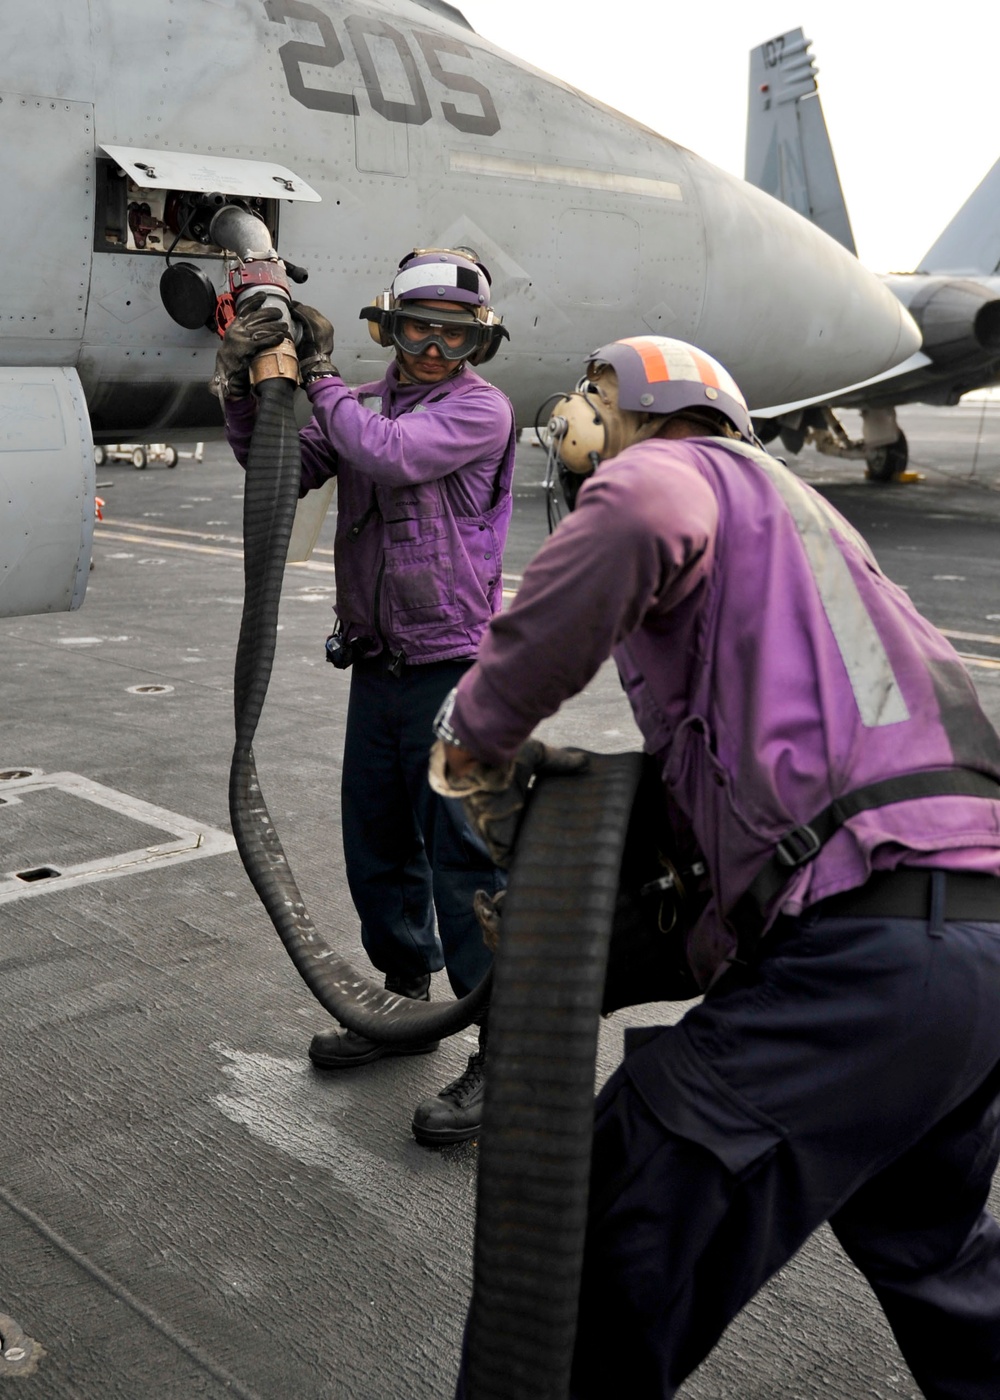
x: 659, y: 375
x: 632, y: 386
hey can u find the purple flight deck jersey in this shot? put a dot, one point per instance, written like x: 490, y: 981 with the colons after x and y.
x: 770, y: 664
x: 423, y: 505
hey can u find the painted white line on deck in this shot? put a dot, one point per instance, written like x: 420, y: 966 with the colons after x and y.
x: 310, y: 565
x: 969, y: 636
x: 193, y: 839
x: 991, y: 663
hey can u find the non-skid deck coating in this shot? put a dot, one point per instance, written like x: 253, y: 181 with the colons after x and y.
x: 187, y: 1208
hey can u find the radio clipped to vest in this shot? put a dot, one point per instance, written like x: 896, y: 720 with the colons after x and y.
x: 342, y: 653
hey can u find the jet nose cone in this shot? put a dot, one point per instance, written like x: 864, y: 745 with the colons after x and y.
x: 798, y: 315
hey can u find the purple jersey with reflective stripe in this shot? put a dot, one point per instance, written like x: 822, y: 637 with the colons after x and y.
x: 770, y: 664
x: 423, y: 505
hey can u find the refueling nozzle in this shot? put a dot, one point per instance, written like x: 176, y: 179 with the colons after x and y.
x: 259, y: 269
x: 241, y: 232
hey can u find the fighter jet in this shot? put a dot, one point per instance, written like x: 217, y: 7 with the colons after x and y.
x: 954, y: 294
x: 355, y: 129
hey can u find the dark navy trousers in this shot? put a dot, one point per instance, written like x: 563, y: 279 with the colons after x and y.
x: 413, y: 862
x: 851, y: 1077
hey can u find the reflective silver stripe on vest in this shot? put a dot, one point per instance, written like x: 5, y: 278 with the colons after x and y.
x: 873, y: 681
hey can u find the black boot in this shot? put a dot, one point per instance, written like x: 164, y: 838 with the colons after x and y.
x: 347, y: 1049
x: 456, y: 1113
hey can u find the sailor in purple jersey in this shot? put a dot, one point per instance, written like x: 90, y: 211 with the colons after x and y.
x: 822, y: 746
x: 424, y: 460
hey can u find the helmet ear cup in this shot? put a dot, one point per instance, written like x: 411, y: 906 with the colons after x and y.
x: 494, y: 333
x: 379, y: 318
x: 582, y: 432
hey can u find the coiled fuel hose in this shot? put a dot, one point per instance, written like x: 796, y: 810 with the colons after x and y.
x: 272, y: 492
x: 534, y: 1153
x: 545, y: 1002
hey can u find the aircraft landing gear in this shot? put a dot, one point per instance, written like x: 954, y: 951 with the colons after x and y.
x: 889, y: 461
x: 766, y: 429
x: 885, y: 447
x: 883, y: 444
x: 796, y: 430
x: 793, y: 440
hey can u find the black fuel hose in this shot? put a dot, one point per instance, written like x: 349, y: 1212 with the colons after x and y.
x: 534, y: 1153
x: 272, y: 491
x: 545, y: 1005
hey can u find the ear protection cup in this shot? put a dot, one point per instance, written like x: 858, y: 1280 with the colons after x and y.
x: 494, y: 334
x: 379, y: 318
x: 581, y: 432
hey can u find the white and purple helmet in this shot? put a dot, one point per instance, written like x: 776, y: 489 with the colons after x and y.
x: 445, y: 274
x: 660, y: 375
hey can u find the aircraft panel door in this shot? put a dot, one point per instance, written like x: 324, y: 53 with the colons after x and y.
x: 46, y: 491
x: 48, y: 205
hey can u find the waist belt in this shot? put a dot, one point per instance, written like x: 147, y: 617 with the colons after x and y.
x: 803, y: 843
x: 907, y: 894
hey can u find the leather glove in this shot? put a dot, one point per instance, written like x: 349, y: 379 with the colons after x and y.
x: 257, y: 327
x: 488, y: 909
x: 315, y: 343
x: 494, y: 797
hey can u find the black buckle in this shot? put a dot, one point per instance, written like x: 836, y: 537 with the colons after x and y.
x: 798, y: 847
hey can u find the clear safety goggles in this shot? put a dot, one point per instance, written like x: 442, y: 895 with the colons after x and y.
x: 455, y: 339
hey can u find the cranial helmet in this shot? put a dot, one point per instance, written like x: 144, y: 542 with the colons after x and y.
x: 655, y: 377
x: 657, y: 374
x: 631, y: 387
x: 451, y: 275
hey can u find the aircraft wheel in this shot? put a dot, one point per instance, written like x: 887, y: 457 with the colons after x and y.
x: 793, y: 440
x: 170, y: 456
x: 100, y: 455
x: 139, y: 458
x: 886, y: 463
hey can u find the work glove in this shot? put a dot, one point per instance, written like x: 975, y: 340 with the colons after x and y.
x: 256, y: 327
x: 494, y: 796
x: 488, y: 909
x: 315, y: 342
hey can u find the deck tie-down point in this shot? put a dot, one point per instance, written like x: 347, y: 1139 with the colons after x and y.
x: 19, y: 1353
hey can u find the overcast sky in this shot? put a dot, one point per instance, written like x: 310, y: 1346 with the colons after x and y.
x: 911, y: 93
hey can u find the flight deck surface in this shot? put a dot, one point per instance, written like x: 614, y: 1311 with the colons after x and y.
x: 187, y: 1207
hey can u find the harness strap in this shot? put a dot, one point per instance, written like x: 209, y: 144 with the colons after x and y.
x: 803, y: 844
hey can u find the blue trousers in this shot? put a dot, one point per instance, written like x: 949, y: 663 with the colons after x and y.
x: 852, y: 1077
x: 413, y: 862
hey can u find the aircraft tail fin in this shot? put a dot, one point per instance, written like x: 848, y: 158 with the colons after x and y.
x: 971, y: 242
x: 788, y: 153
